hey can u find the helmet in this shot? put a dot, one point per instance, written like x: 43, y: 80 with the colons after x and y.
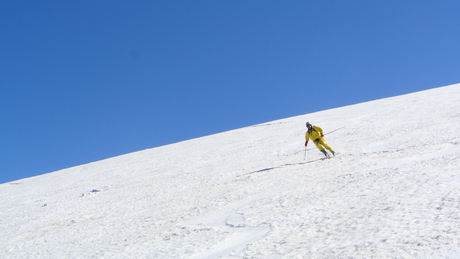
x: 308, y: 123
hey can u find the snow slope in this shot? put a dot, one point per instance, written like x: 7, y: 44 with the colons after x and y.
x: 392, y: 192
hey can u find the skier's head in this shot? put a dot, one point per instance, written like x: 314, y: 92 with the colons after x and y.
x: 308, y: 125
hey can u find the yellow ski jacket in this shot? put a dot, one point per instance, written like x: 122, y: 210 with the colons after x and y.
x: 314, y: 133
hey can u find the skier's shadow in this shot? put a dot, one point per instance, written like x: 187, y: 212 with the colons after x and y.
x: 277, y: 167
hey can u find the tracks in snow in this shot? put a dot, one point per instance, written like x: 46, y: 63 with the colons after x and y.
x: 228, y: 218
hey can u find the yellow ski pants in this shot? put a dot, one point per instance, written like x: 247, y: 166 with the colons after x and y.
x: 321, y: 144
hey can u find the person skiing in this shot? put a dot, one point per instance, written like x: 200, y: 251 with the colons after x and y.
x: 316, y: 134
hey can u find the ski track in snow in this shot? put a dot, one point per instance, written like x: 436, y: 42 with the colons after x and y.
x: 228, y: 217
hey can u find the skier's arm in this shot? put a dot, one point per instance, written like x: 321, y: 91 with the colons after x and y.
x: 320, y: 131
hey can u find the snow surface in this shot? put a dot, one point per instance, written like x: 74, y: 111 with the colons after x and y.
x: 392, y: 192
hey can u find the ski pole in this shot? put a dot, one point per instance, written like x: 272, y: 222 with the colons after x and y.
x: 334, y: 130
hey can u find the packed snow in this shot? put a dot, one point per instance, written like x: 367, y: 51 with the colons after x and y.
x: 393, y: 191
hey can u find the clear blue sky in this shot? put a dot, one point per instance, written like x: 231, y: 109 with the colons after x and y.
x: 82, y: 81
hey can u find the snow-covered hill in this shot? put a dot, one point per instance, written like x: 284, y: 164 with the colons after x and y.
x: 392, y: 192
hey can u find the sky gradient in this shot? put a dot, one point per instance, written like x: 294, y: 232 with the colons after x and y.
x: 82, y: 81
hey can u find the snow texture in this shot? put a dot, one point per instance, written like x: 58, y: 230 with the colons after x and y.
x: 392, y: 192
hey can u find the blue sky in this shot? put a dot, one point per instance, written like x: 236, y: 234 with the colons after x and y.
x: 82, y: 81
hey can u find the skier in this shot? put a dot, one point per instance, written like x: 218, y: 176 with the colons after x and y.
x: 316, y: 134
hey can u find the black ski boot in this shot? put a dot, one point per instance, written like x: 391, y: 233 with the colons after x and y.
x: 325, y: 153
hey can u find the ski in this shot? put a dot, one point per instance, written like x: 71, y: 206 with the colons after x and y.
x: 329, y: 156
